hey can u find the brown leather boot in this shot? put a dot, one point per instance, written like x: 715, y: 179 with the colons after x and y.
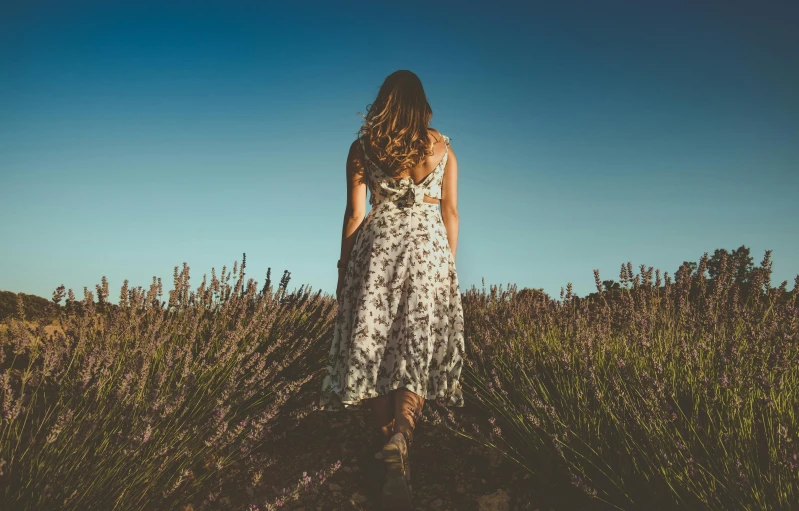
x: 407, y: 411
x: 396, y: 495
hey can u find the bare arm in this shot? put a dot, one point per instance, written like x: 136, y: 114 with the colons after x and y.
x: 449, y: 200
x: 355, y: 210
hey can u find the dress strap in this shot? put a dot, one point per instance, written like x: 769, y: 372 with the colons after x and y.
x: 446, y: 150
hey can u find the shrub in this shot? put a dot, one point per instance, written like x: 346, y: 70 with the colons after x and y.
x: 660, y: 399
x: 150, y: 404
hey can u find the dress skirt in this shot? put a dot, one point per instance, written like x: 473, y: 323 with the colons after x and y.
x: 400, y: 319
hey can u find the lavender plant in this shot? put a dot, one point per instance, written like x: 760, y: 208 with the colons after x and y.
x: 680, y: 396
x: 153, y: 404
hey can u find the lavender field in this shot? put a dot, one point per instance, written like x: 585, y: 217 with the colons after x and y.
x: 652, y: 393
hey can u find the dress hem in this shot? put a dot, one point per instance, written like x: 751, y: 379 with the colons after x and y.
x: 454, y: 400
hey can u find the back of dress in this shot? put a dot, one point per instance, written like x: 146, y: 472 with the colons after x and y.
x: 387, y: 188
x: 400, y: 318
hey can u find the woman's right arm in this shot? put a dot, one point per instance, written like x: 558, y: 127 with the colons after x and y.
x: 449, y: 200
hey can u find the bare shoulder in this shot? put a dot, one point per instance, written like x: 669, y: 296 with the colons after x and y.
x: 452, y: 160
x: 355, y: 161
x: 355, y: 152
x: 434, y: 135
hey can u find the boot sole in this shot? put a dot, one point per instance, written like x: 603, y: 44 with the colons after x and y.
x: 396, y: 495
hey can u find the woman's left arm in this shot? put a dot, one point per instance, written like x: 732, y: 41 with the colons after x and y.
x: 355, y: 210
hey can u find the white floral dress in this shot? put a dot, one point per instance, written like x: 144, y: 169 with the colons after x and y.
x: 400, y: 319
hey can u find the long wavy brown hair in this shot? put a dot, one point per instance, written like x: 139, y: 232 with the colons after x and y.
x: 395, y: 127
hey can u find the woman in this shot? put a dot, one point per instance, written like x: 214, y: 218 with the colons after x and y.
x: 398, y: 339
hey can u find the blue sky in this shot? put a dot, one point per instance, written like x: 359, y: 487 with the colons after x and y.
x: 134, y: 136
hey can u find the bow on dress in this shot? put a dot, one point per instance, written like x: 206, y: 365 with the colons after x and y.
x: 415, y: 194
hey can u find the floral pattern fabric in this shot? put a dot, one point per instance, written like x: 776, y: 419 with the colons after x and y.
x: 400, y: 318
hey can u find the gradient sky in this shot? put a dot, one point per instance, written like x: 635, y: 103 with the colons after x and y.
x: 134, y: 136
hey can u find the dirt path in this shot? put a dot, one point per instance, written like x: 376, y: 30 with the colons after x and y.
x: 448, y: 472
